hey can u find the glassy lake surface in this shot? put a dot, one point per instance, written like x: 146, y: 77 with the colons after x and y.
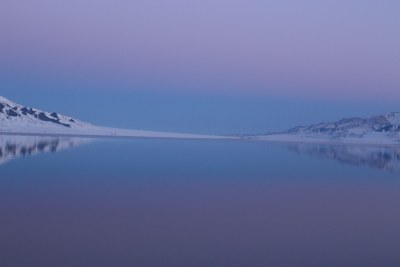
x: 147, y: 202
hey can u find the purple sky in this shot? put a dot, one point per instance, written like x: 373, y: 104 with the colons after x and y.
x: 328, y: 50
x: 278, y: 47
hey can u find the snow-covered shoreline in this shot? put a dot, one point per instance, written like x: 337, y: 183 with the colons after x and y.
x: 104, y: 132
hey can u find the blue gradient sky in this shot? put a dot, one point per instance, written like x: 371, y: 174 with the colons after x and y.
x: 202, y: 66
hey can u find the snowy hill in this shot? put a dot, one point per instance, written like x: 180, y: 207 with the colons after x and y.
x: 383, y: 129
x: 20, y: 119
x: 16, y: 115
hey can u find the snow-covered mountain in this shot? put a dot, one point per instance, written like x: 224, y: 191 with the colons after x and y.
x: 16, y: 115
x: 21, y: 119
x: 383, y: 129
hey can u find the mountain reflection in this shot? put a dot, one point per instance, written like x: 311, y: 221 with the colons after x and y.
x: 385, y: 158
x: 13, y: 147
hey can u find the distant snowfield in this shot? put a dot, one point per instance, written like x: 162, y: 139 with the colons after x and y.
x: 96, y: 131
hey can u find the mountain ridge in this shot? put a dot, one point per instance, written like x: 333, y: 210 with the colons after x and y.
x: 20, y: 114
x: 379, y: 129
x: 380, y: 123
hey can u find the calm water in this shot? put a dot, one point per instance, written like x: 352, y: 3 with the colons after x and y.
x: 141, y: 202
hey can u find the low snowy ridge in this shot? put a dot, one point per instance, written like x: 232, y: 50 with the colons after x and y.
x: 383, y: 129
x: 20, y: 119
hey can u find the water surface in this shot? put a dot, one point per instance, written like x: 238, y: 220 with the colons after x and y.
x: 152, y: 202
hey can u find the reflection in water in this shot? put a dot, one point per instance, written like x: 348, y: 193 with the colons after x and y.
x: 385, y: 158
x: 13, y: 147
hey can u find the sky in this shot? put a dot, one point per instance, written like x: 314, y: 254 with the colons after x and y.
x: 220, y: 66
